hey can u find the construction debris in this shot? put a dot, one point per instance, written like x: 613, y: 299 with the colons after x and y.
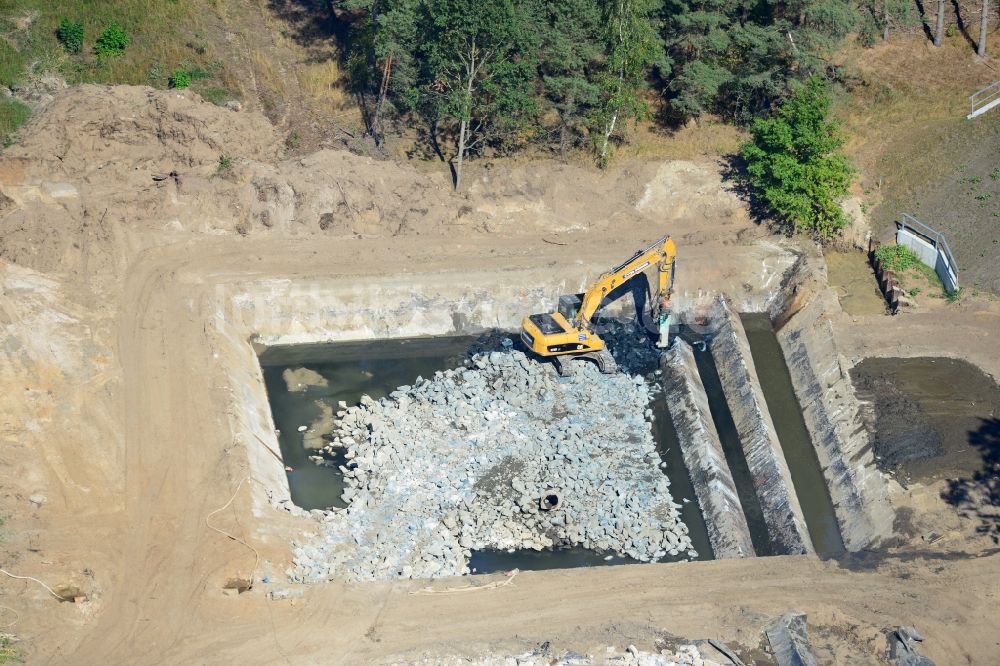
x: 789, y: 640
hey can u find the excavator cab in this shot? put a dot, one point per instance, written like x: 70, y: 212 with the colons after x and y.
x: 555, y: 336
x: 552, y: 335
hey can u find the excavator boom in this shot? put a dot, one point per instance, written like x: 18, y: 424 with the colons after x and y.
x: 570, y: 333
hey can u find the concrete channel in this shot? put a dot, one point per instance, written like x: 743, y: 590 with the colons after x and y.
x: 772, y: 481
x: 832, y: 415
x: 799, y: 454
x: 706, y: 462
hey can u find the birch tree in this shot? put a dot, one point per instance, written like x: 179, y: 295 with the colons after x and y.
x: 476, y: 71
x: 984, y: 20
x: 634, y: 48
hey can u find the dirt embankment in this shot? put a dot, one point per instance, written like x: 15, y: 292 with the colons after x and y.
x: 117, y: 229
x: 104, y: 166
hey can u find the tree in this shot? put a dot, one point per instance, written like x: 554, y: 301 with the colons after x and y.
x: 699, y: 37
x: 633, y: 49
x: 475, y: 68
x: 737, y: 58
x: 571, y: 48
x: 878, y: 17
x: 984, y: 20
x: 793, y: 163
x: 939, y: 28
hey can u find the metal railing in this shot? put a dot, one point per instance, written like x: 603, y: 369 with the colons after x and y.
x: 932, y: 236
x: 931, y: 247
x: 984, y: 99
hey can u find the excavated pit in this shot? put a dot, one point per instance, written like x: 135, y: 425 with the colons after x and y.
x: 712, y: 427
x: 708, y: 497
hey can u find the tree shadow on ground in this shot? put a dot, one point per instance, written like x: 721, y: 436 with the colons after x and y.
x: 925, y: 20
x: 733, y: 170
x: 962, y: 27
x: 311, y: 22
x: 979, y: 496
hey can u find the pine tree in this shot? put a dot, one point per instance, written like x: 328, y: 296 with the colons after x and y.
x: 737, y: 58
x: 569, y: 54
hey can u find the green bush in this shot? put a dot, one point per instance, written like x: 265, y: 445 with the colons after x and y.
x: 225, y: 163
x: 70, y: 35
x: 794, y: 165
x: 180, y: 79
x: 896, y: 257
x: 112, y: 41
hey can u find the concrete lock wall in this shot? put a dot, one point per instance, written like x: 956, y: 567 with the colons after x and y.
x: 930, y: 255
x: 832, y: 415
x: 702, y: 451
x: 771, y: 478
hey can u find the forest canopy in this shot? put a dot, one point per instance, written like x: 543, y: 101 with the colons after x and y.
x: 503, y: 74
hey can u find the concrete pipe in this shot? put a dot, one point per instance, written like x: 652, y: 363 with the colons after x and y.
x: 550, y: 500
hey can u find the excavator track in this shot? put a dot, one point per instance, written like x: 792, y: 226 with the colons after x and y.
x: 603, y: 359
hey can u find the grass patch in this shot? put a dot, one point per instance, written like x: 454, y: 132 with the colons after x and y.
x: 323, y: 82
x: 896, y: 257
x: 11, y: 64
x: 13, y: 114
x: 920, y: 278
x: 914, y: 276
x: 161, y: 36
x: 216, y: 95
x: 9, y: 653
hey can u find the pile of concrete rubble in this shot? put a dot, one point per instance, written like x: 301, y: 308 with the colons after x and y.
x: 500, y: 455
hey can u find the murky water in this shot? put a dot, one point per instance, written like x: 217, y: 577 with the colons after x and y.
x: 376, y: 368
x: 800, y: 455
x: 935, y: 418
x: 732, y: 449
x: 492, y: 561
x: 351, y: 370
x: 853, y: 279
x: 681, y: 487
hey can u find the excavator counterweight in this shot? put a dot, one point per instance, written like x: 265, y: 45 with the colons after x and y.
x: 568, y: 332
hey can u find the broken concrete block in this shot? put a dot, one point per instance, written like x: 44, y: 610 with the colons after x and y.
x: 789, y: 640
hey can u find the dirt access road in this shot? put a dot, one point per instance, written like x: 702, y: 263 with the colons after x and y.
x: 116, y: 399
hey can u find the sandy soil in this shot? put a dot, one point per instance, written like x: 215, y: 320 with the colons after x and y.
x: 114, y: 401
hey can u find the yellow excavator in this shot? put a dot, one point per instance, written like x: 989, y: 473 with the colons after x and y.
x: 568, y: 333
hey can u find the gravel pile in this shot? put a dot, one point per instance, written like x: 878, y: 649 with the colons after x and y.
x: 474, y: 458
x: 682, y: 655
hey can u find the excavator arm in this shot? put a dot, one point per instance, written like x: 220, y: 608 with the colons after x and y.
x: 552, y: 334
x: 662, y: 252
